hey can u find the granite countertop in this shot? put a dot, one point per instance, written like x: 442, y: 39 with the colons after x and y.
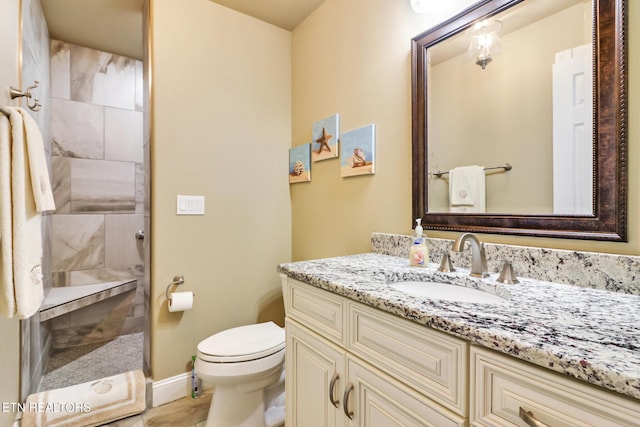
x: 589, y: 334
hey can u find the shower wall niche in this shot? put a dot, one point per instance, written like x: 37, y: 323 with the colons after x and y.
x: 98, y: 180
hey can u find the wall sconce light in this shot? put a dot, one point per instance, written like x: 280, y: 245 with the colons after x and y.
x: 484, y: 41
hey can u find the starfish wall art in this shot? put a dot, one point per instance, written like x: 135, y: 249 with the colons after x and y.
x: 325, y: 134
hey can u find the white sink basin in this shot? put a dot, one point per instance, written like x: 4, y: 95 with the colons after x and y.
x: 445, y: 291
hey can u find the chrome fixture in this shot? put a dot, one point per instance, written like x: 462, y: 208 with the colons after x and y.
x: 507, y: 167
x: 508, y: 274
x: 177, y: 280
x: 484, y: 41
x: 478, y: 257
x: 17, y: 93
x: 446, y: 266
x: 140, y: 235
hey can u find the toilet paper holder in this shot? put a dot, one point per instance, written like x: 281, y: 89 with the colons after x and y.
x: 177, y: 280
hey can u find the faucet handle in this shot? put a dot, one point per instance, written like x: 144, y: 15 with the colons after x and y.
x: 508, y: 274
x: 446, y: 266
x: 484, y: 270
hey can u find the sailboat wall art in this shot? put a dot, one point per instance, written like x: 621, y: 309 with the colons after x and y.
x: 324, y: 142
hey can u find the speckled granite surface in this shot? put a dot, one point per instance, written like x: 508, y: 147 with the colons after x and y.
x: 590, y: 334
x: 617, y: 273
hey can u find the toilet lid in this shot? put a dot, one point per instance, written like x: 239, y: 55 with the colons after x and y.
x: 243, y: 343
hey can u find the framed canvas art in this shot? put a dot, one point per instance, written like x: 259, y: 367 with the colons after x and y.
x: 357, y: 151
x: 324, y: 141
x: 300, y: 164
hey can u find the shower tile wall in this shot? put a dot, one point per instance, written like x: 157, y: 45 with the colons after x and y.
x: 98, y: 183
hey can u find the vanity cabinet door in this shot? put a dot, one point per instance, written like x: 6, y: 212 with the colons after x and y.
x: 502, y: 387
x: 427, y: 360
x: 323, y: 310
x: 374, y: 399
x: 316, y: 374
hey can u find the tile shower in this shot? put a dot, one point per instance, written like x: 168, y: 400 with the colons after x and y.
x: 98, y: 179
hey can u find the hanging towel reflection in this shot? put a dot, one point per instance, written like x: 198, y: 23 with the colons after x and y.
x: 467, y: 189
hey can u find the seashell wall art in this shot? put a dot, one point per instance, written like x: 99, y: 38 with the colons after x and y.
x: 357, y: 151
x: 300, y: 164
x: 355, y: 148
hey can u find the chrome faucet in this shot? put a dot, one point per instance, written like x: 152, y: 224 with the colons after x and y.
x: 478, y: 257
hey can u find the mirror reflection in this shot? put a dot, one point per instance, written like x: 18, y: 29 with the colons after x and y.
x: 510, y: 113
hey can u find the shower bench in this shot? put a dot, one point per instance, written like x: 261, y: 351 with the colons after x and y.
x: 65, y: 299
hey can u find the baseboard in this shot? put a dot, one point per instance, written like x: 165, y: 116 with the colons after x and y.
x: 173, y: 388
x: 170, y: 389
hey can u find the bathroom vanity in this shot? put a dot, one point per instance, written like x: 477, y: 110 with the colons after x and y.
x: 360, y: 352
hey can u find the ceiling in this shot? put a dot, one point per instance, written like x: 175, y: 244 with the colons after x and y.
x: 116, y: 25
x: 285, y: 14
x: 110, y: 25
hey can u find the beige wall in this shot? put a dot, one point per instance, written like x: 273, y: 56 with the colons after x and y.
x: 221, y: 128
x: 9, y: 328
x: 353, y: 58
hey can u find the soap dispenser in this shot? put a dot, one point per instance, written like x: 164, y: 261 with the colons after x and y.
x: 419, y: 253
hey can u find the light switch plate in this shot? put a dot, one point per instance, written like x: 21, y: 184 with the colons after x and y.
x: 189, y: 205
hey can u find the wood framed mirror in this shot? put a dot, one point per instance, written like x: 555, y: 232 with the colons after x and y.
x: 604, y: 24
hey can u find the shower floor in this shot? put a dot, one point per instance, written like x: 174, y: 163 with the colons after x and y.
x: 90, y: 362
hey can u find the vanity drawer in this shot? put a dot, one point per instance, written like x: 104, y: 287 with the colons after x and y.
x: 501, y: 385
x: 431, y: 362
x: 318, y: 309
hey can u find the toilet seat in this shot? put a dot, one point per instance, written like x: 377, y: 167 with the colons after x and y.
x: 243, y: 343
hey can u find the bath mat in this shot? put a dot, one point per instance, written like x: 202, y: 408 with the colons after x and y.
x: 88, y: 404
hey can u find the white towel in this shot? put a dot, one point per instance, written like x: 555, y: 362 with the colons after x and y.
x: 25, y: 190
x: 467, y: 189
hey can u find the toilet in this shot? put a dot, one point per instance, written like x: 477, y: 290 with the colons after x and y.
x: 246, y: 367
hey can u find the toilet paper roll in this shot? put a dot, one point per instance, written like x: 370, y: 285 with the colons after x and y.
x: 180, y: 301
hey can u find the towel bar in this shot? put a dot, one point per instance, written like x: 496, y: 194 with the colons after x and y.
x: 506, y: 167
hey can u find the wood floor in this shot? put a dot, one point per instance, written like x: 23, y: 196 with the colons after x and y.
x: 186, y: 412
